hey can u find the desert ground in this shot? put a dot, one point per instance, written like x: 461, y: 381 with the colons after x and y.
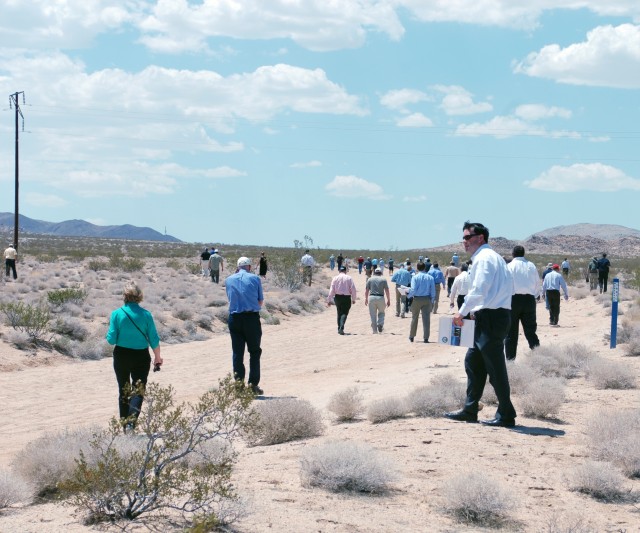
x: 304, y: 357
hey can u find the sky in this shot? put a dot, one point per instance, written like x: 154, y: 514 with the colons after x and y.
x: 380, y: 124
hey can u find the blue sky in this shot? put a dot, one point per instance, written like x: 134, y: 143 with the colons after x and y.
x: 361, y: 123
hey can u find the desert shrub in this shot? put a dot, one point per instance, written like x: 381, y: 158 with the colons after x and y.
x: 132, y: 264
x: 543, y: 398
x: 204, y: 321
x: 283, y: 421
x: 580, y: 293
x: 632, y: 348
x: 345, y: 466
x: 346, y: 404
x: 30, y: 319
x: 174, y: 264
x: 614, y: 436
x: 194, y: 268
x: 286, y: 271
x: 444, y: 393
x: 521, y: 375
x: 58, y: 297
x: 599, y: 480
x: 567, y: 524
x: 476, y: 497
x: 560, y: 361
x: 13, y: 489
x: 49, y: 460
x: 489, y: 395
x: 182, y: 313
x: 605, y: 374
x: 150, y: 473
x: 386, y: 409
x: 91, y: 350
x: 294, y: 308
x: 70, y: 327
x: 19, y: 339
x: 223, y: 315
x: 268, y: 318
x: 97, y: 264
x: 217, y: 303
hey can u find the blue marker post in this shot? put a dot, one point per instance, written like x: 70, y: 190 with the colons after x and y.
x: 615, y: 294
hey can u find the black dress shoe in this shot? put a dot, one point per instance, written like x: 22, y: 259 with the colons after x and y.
x: 462, y: 416
x: 499, y: 423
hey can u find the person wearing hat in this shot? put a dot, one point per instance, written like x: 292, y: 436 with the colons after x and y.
x: 375, y: 291
x: 10, y: 257
x: 551, y: 285
x: 343, y: 294
x: 216, y: 264
x: 592, y: 276
x: 244, y: 292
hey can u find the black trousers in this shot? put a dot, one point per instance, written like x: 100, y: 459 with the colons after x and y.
x: 603, y: 277
x: 10, y: 264
x: 215, y: 275
x: 131, y: 368
x: 523, y: 309
x: 449, y: 285
x: 343, y: 305
x: 486, y: 358
x: 245, y: 330
x: 553, y: 297
x: 460, y: 300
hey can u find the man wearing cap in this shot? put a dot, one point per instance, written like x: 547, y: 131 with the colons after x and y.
x: 376, y: 290
x: 343, y: 294
x: 526, y: 287
x: 489, y: 304
x: 10, y: 257
x: 422, y: 292
x: 307, y: 263
x: 216, y: 264
x: 552, y: 283
x: 244, y: 291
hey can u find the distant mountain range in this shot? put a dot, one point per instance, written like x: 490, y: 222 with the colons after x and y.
x: 576, y: 239
x: 81, y: 228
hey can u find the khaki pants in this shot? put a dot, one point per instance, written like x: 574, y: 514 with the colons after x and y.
x: 420, y: 304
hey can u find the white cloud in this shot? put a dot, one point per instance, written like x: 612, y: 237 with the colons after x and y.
x: 307, y: 164
x: 415, y: 120
x: 421, y: 198
x: 540, y: 111
x: 355, y: 187
x: 398, y: 99
x: 459, y: 101
x: 610, y: 57
x: 503, y: 127
x: 44, y: 200
x: 584, y: 177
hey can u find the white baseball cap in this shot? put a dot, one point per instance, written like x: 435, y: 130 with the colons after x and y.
x: 244, y: 261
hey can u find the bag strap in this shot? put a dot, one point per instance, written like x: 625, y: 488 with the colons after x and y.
x: 136, y: 325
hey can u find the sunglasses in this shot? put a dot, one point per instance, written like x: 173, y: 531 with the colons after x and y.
x: 470, y: 236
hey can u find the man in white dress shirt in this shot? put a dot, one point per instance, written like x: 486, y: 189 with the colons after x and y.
x: 307, y: 263
x: 489, y: 304
x: 526, y: 287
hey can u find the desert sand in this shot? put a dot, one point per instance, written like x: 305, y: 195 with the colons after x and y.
x: 304, y: 357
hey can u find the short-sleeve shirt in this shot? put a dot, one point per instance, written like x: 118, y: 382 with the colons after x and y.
x: 377, y: 285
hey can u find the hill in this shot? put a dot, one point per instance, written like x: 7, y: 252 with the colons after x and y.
x: 606, y: 232
x: 81, y: 228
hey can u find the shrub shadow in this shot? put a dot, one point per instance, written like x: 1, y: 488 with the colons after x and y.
x: 536, y: 431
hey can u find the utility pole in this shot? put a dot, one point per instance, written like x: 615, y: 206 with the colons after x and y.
x: 14, y: 103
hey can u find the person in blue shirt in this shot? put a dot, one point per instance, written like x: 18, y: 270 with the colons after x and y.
x: 438, y: 279
x: 402, y: 276
x: 423, y: 291
x: 603, y: 272
x: 132, y: 330
x: 244, y: 292
x: 455, y: 259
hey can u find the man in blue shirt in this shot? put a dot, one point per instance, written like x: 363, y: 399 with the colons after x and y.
x: 438, y: 279
x: 402, y: 277
x: 423, y: 291
x: 603, y: 272
x: 244, y: 291
x: 552, y: 284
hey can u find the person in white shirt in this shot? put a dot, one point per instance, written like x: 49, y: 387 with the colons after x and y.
x: 489, y: 304
x: 460, y: 286
x: 552, y: 283
x: 526, y: 287
x: 307, y: 263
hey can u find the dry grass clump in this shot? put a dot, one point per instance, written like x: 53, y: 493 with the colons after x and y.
x: 347, y: 404
x: 605, y: 374
x: 386, y: 409
x: 567, y: 524
x: 560, y: 361
x: 283, y: 421
x: 521, y: 375
x: 632, y: 348
x: 614, y: 436
x: 600, y: 481
x: 49, y: 460
x: 345, y: 466
x: 13, y: 489
x: 543, y: 398
x: 580, y: 293
x: 443, y: 394
x: 477, y: 498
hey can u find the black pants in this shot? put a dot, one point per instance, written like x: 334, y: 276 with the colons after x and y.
x: 602, y: 280
x: 486, y: 357
x: 131, y: 368
x: 523, y: 309
x: 449, y: 285
x: 10, y: 264
x: 553, y: 297
x: 460, y: 300
x: 245, y: 330
x: 343, y: 305
x: 215, y: 275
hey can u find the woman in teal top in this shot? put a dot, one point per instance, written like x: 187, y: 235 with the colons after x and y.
x: 132, y: 330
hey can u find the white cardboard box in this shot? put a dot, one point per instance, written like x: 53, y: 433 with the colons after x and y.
x: 447, y: 334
